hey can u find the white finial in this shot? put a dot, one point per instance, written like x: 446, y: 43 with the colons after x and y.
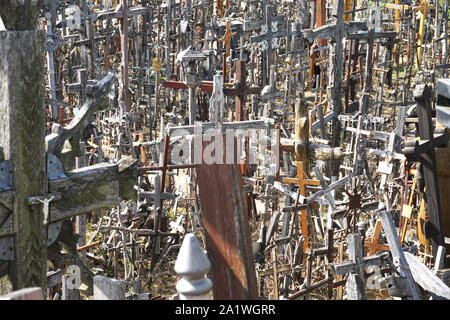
x: 192, y: 265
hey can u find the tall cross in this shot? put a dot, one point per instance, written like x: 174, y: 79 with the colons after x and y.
x: 269, y: 38
x: 423, y: 14
x: 123, y: 13
x: 226, y: 39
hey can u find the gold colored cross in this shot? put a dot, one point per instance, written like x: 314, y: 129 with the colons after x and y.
x: 423, y: 13
x: 407, y: 208
x: 348, y: 5
x: 226, y: 39
x: 397, y: 7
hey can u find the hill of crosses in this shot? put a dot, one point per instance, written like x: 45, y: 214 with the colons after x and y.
x: 224, y: 150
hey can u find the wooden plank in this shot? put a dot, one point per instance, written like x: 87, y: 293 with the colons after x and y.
x: 427, y: 279
x: 422, y: 95
x: 84, y: 190
x: 396, y: 250
x: 225, y: 220
x: 6, y: 216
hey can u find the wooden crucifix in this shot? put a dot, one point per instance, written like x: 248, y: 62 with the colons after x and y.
x: 301, y: 162
x: 226, y: 40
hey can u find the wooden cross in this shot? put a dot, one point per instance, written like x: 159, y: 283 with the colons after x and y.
x: 221, y: 8
x: 423, y: 14
x: 240, y: 90
x: 302, y: 183
x: 393, y: 150
x: 80, y: 86
x: 226, y: 40
x: 423, y: 151
x: 36, y: 178
x: 336, y: 32
x: 269, y: 38
x: 397, y: 7
x: 290, y: 71
x: 123, y: 14
x: 355, y: 282
x: 374, y: 243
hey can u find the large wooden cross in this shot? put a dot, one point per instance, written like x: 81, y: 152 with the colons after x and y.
x: 35, y: 176
x: 355, y: 282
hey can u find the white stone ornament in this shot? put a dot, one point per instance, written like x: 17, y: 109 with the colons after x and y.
x: 193, y: 266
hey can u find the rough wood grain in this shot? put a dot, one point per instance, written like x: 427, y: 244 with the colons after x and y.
x: 427, y: 279
x: 22, y: 130
x: 84, y: 190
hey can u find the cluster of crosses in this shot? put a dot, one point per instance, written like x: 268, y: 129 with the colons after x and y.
x: 304, y: 142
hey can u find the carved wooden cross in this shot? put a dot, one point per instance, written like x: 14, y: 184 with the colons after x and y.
x: 34, y: 177
x: 269, y: 38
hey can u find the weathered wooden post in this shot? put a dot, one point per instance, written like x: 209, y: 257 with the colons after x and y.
x: 22, y: 131
x: 193, y: 265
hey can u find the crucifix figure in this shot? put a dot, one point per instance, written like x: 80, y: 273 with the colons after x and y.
x: 226, y: 39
